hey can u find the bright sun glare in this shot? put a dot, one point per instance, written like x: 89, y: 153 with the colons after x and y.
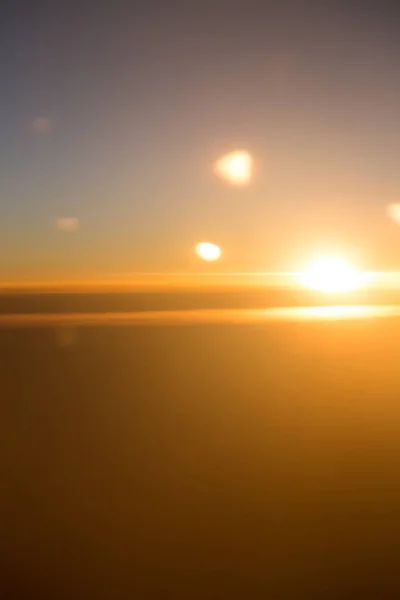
x: 332, y: 274
x: 208, y: 251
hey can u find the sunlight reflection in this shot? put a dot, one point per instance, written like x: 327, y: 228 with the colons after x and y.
x: 329, y: 313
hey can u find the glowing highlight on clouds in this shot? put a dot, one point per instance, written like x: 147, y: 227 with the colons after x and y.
x: 235, y: 167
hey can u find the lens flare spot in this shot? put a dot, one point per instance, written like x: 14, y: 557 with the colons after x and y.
x: 393, y: 211
x: 332, y: 274
x: 235, y: 167
x: 207, y: 251
x: 66, y: 336
x: 68, y: 224
x: 41, y: 124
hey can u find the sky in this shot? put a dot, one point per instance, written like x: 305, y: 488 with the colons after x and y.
x: 111, y: 118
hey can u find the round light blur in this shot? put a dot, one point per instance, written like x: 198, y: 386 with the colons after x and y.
x: 235, y: 167
x: 207, y: 251
x: 393, y: 210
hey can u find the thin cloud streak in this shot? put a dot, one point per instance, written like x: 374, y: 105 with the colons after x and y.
x: 201, y: 316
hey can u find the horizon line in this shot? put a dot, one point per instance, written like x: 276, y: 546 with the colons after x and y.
x: 154, y: 281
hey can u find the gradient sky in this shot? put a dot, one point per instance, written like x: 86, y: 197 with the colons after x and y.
x: 136, y: 101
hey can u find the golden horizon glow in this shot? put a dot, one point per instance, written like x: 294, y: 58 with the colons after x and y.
x: 207, y: 251
x: 377, y: 281
x: 235, y: 167
x: 332, y: 274
x: 66, y: 324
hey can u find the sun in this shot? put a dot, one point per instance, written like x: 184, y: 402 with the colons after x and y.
x: 208, y: 251
x: 332, y: 274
